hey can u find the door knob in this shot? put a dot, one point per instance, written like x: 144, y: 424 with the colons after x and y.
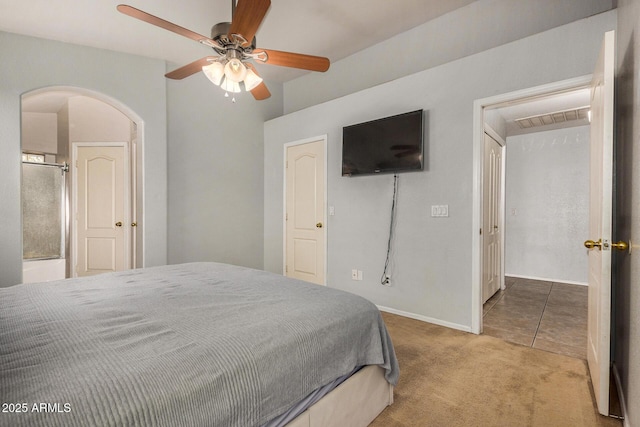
x: 119, y: 224
x: 319, y: 225
x: 590, y: 244
x: 134, y: 224
x: 621, y: 246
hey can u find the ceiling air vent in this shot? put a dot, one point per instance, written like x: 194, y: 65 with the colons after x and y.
x: 552, y: 118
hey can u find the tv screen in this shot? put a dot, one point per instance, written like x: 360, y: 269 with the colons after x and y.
x: 388, y: 145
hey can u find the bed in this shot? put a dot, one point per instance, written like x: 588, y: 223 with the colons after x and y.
x: 191, y: 344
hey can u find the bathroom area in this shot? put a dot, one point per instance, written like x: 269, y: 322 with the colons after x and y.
x: 56, y: 124
x: 43, y: 218
x: 44, y: 197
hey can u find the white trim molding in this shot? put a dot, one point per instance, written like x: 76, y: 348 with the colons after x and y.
x: 546, y: 279
x: 426, y: 319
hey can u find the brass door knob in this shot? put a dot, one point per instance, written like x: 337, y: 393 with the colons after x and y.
x: 319, y: 225
x: 119, y: 224
x: 134, y: 224
x: 621, y: 246
x: 590, y: 244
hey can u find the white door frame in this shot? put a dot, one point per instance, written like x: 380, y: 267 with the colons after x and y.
x: 478, y: 156
x: 128, y: 193
x: 323, y: 139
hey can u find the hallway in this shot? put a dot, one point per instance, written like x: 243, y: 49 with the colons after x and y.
x: 548, y: 316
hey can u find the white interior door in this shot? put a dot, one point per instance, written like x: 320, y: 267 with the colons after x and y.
x: 601, y: 182
x: 102, y: 210
x: 491, y: 228
x: 305, y: 212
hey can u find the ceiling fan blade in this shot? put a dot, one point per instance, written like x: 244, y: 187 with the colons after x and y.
x: 293, y: 60
x: 260, y: 92
x: 189, y: 69
x: 159, y: 22
x: 247, y: 17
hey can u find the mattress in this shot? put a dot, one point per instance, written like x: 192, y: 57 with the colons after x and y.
x: 189, y: 344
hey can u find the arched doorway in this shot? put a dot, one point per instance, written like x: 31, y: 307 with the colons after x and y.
x: 54, y: 120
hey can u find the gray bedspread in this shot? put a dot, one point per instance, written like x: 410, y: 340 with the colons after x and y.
x: 193, y: 344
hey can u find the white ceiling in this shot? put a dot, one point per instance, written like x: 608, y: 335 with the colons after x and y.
x: 331, y: 28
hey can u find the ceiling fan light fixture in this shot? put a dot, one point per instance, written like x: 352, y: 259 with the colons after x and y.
x: 251, y: 80
x: 234, y: 42
x: 230, y: 86
x: 235, y: 70
x: 214, y: 72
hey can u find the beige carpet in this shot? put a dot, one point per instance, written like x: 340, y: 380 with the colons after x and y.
x: 452, y: 378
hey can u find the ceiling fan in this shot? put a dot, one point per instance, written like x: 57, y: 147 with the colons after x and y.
x: 235, y: 44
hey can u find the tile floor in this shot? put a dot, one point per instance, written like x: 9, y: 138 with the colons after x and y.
x: 548, y: 316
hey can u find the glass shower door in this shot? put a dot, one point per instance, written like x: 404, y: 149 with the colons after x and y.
x: 43, y: 213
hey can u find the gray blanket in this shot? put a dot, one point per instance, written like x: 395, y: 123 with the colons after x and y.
x: 192, y: 344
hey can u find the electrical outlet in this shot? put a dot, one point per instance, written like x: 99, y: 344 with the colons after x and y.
x: 359, y: 275
x: 354, y: 274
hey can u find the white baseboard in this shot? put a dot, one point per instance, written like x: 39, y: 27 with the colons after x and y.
x: 546, y: 279
x: 425, y: 319
x: 623, y: 405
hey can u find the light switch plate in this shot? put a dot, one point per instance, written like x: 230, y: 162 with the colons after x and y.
x: 440, y: 210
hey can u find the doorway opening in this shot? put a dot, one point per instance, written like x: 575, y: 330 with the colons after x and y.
x: 498, y: 116
x: 600, y: 176
x: 544, y: 214
x: 534, y: 279
x: 53, y: 119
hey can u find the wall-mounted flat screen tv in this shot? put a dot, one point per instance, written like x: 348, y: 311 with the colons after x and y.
x: 388, y: 145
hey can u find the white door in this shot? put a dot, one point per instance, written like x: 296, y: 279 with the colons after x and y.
x: 305, y: 208
x: 101, y: 215
x: 491, y: 232
x: 600, y: 205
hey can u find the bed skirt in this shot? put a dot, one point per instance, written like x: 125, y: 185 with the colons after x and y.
x: 356, y: 402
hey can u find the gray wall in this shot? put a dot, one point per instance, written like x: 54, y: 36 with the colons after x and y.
x: 29, y: 63
x: 471, y: 29
x: 547, y: 205
x: 432, y: 256
x: 627, y: 227
x: 215, y: 166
